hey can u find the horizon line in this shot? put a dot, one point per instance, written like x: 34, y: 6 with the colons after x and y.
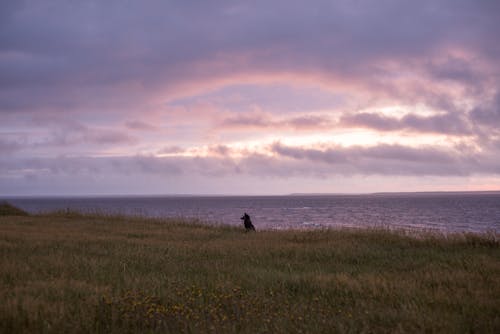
x: 5, y: 196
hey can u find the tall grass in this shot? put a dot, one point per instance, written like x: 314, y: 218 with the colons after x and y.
x: 70, y: 272
x: 7, y: 209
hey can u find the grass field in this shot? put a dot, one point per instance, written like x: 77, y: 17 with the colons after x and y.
x: 70, y: 273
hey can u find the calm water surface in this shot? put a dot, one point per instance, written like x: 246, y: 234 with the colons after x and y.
x: 441, y: 212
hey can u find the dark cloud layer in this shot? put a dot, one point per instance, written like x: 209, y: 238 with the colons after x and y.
x: 287, y: 161
x: 72, y: 54
x: 450, y: 123
x: 488, y: 114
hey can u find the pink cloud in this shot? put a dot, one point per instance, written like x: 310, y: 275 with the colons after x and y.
x: 78, y: 83
x: 267, y: 121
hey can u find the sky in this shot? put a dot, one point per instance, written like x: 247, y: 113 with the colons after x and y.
x: 248, y: 97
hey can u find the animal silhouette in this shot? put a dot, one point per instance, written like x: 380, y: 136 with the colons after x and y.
x: 247, y: 222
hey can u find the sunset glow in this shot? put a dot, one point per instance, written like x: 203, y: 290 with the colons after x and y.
x: 248, y: 97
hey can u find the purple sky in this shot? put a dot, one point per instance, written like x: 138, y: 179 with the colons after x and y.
x: 249, y: 97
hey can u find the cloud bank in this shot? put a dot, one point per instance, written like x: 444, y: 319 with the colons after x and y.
x: 232, y: 90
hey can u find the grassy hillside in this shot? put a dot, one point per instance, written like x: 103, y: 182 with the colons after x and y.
x: 7, y: 209
x: 73, y: 273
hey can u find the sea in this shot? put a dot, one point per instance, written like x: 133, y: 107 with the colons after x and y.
x: 441, y: 212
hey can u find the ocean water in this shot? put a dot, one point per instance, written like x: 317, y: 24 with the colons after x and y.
x: 444, y: 212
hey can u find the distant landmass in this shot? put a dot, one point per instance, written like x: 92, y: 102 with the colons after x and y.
x: 423, y: 193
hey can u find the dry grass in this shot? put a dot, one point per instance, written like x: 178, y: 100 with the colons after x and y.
x: 69, y: 272
x: 7, y: 209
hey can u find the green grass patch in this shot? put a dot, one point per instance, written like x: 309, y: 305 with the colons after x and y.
x: 71, y: 272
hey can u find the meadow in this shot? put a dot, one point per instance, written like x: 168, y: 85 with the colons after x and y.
x: 71, y: 272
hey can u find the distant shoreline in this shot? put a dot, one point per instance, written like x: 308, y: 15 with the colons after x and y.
x: 488, y: 192
x: 388, y: 193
